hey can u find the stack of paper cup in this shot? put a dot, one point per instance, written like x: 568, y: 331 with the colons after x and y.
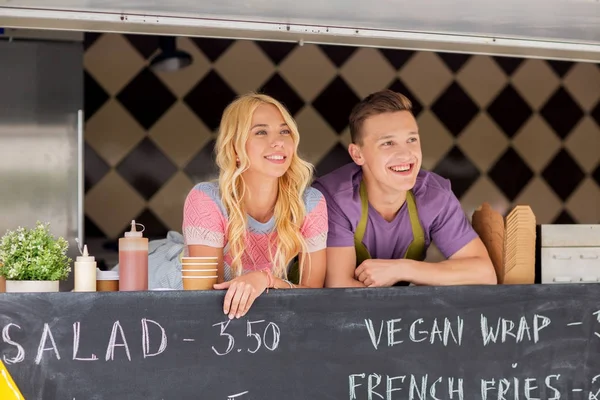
x: 199, y: 273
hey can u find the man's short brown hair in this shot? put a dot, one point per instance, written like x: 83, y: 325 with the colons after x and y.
x: 381, y: 102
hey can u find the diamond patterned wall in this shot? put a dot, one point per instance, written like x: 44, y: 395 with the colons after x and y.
x: 503, y: 130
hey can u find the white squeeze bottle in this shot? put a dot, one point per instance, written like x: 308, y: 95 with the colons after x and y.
x: 85, y: 272
x: 133, y: 260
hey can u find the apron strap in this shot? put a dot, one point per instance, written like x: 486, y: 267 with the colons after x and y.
x: 361, y: 251
x: 416, y: 249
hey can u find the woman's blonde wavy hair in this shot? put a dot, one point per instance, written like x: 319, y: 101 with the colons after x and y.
x: 289, y: 211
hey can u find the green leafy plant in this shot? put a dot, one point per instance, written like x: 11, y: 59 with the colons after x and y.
x: 34, y: 255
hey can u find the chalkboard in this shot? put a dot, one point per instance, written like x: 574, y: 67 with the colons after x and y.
x: 451, y: 343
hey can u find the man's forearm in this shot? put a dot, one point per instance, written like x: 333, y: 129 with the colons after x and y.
x: 465, y: 271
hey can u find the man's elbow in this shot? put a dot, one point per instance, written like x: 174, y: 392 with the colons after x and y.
x: 340, y: 283
x: 487, y: 273
x: 337, y: 284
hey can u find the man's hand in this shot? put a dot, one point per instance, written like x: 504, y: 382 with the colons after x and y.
x: 379, y: 273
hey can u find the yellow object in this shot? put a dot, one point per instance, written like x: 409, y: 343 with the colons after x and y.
x: 8, y: 387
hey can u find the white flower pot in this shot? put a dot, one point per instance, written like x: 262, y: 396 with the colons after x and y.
x: 31, y: 286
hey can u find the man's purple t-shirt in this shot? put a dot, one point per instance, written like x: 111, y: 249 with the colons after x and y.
x: 440, y: 213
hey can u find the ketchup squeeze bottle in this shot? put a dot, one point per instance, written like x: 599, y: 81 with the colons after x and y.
x: 133, y: 260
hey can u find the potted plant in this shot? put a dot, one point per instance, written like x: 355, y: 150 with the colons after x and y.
x: 33, y: 260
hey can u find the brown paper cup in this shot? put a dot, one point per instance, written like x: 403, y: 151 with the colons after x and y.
x: 199, y: 265
x: 107, y: 286
x: 107, y: 281
x: 186, y: 260
x: 198, y: 272
x: 199, y: 282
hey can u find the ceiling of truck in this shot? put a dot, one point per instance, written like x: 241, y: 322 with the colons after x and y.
x: 543, y: 24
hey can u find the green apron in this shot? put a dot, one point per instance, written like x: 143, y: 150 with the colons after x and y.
x: 416, y: 249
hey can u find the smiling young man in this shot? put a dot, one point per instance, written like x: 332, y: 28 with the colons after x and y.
x: 385, y: 211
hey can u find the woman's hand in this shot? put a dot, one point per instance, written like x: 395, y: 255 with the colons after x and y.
x: 242, y: 291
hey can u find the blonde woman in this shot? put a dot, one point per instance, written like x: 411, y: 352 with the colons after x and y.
x: 262, y: 213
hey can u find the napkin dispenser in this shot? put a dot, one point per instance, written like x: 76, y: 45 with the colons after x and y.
x: 570, y: 253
